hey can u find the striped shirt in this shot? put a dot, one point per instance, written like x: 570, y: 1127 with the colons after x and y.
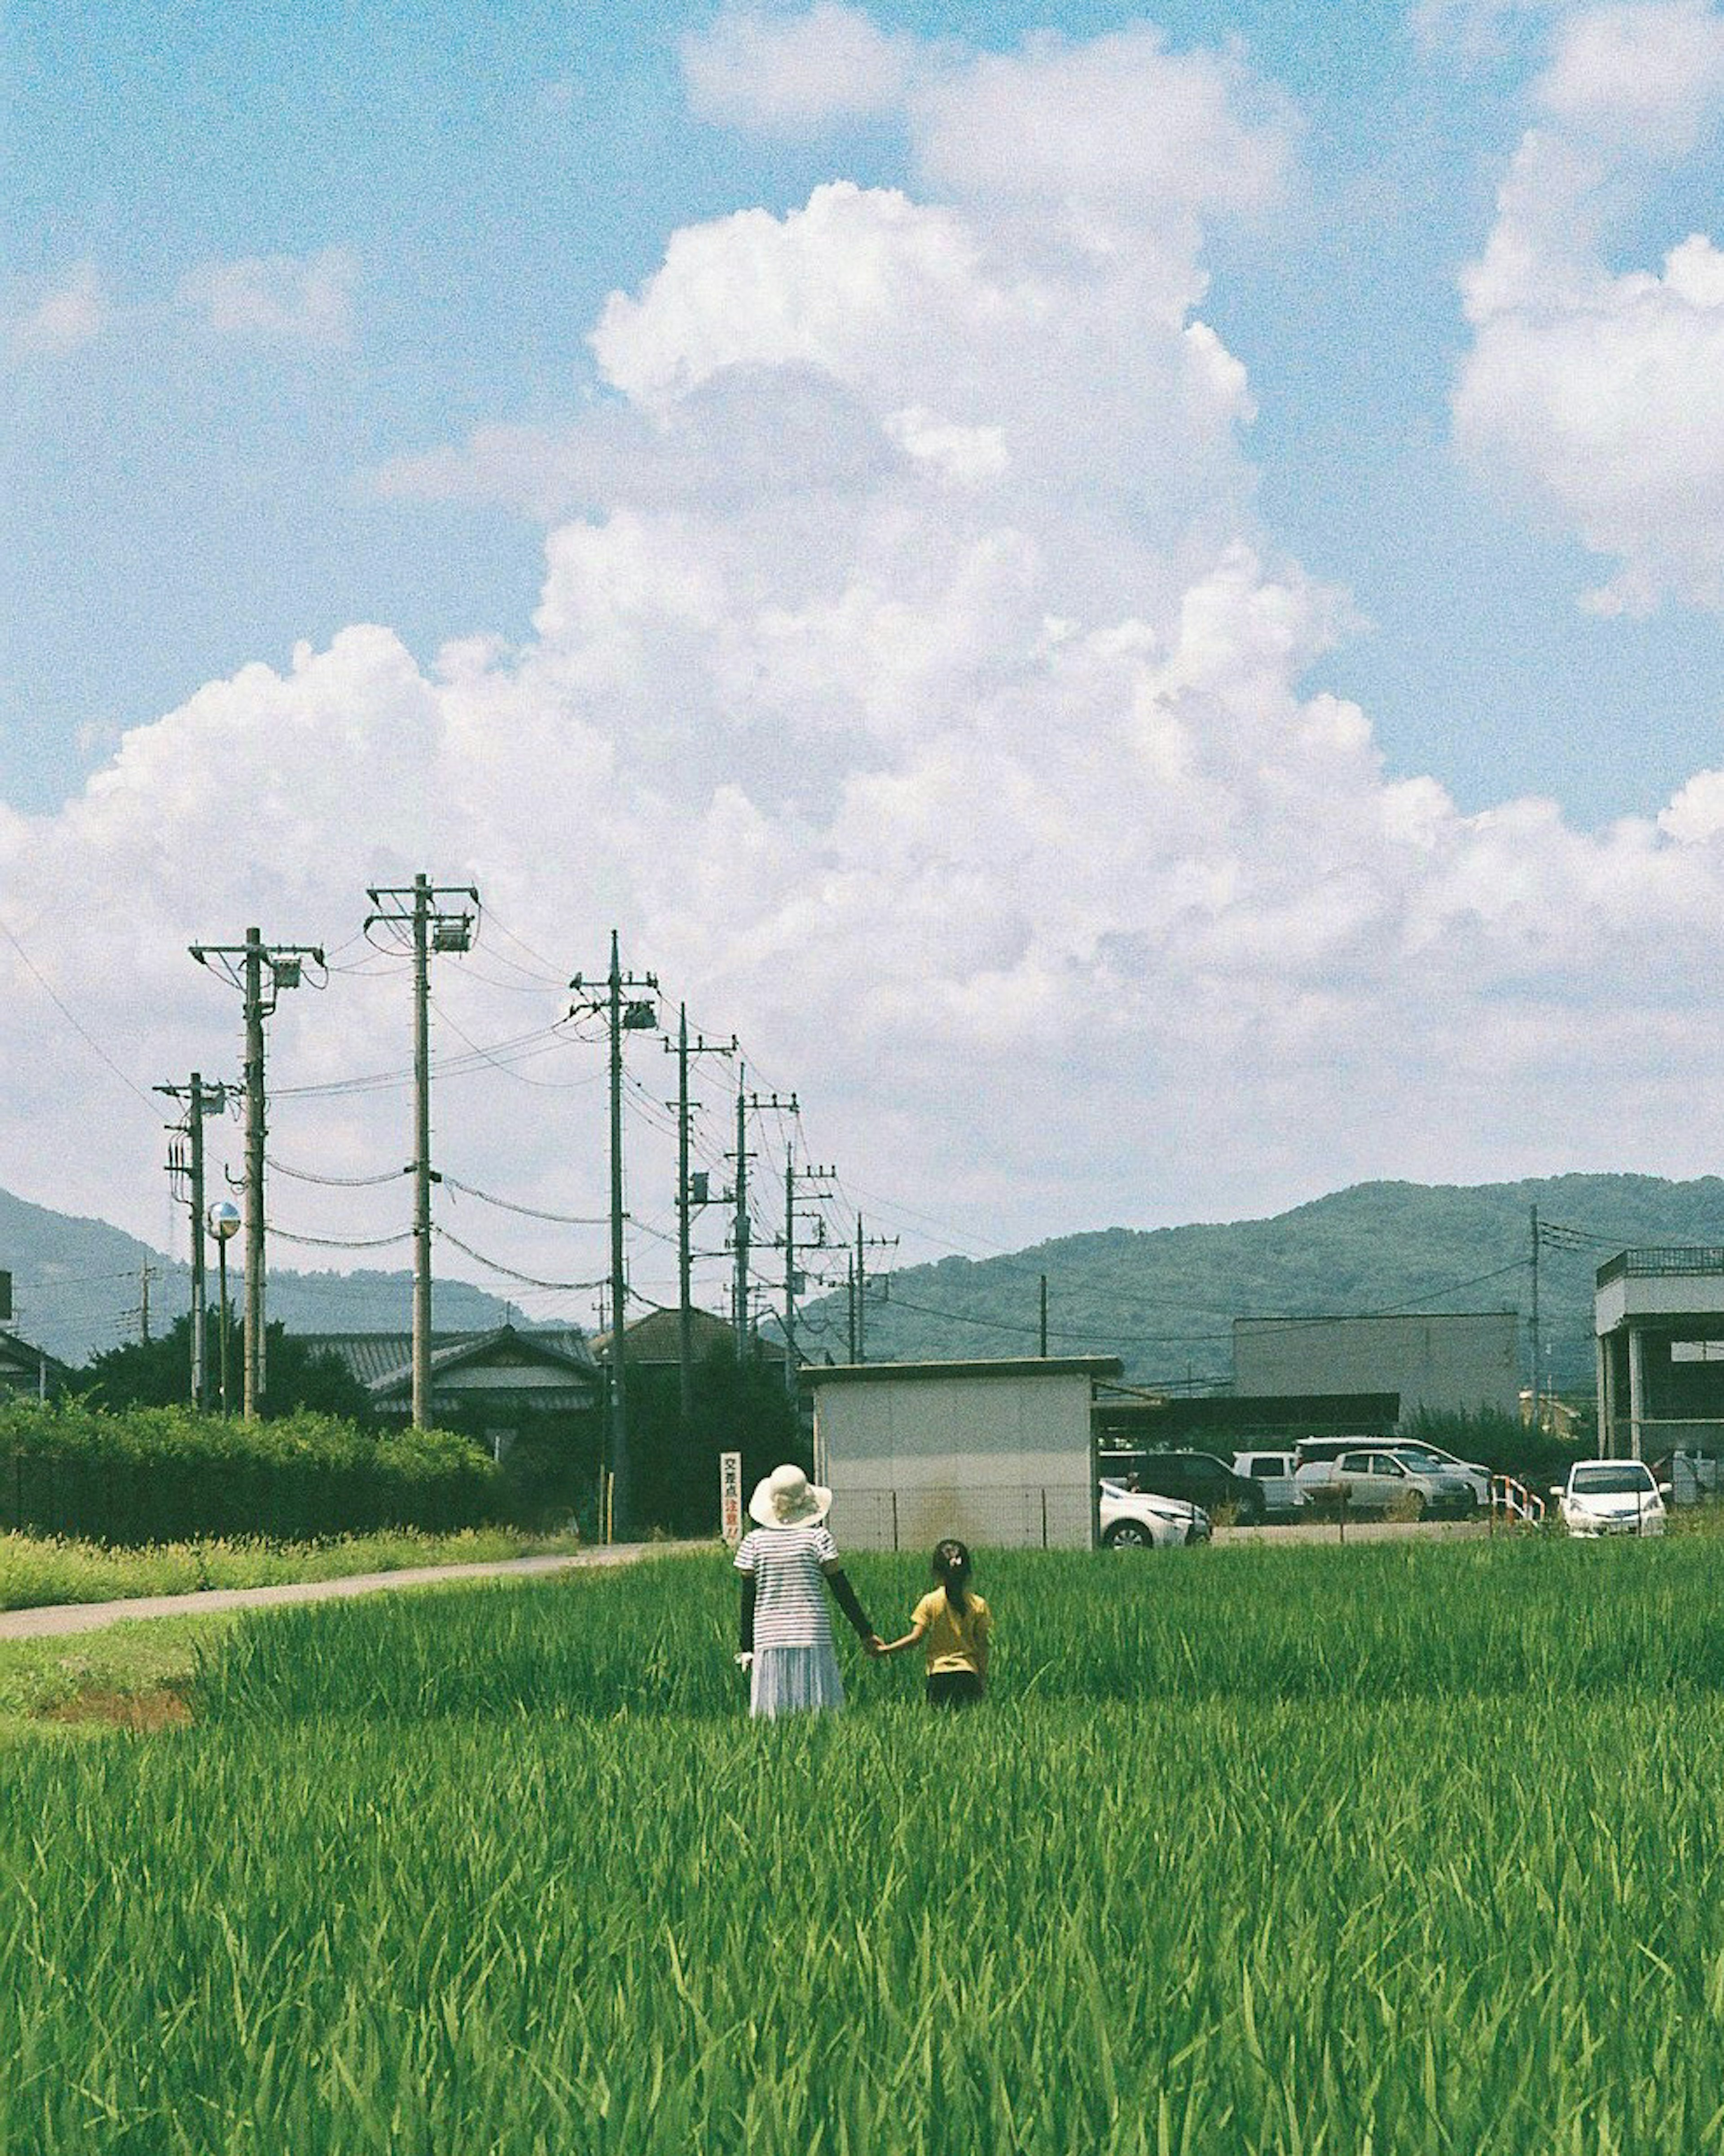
x: 790, y: 1607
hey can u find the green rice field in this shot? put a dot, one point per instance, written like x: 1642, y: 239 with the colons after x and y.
x: 1381, y: 1848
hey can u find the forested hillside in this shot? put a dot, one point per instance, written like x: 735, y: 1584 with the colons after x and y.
x: 1164, y: 1300
x: 78, y: 1286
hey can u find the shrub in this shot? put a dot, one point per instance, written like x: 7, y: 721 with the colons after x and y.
x: 1502, y: 1442
x: 163, y: 1474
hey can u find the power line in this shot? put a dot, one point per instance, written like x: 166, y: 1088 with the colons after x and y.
x: 82, y: 1032
x: 342, y: 1242
x: 552, y: 1036
x: 530, y: 1212
x: 509, y: 1272
x: 554, y: 974
x: 520, y: 1047
x: 334, y: 1182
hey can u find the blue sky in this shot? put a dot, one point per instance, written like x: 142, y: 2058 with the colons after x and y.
x: 1080, y: 546
x: 183, y: 507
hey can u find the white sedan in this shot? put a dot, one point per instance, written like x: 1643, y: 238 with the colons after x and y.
x: 1132, y: 1519
x: 1611, y: 1497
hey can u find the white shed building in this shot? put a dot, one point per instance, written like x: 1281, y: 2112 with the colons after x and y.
x: 1000, y: 1454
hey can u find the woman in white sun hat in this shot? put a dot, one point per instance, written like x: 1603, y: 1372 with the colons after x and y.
x: 786, y: 1641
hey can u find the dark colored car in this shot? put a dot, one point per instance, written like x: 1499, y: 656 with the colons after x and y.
x: 1199, y: 1477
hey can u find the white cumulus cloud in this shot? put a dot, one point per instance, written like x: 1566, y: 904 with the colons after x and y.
x: 1651, y: 73
x: 969, y: 757
x: 794, y: 74
x: 1599, y: 391
x: 1119, y: 128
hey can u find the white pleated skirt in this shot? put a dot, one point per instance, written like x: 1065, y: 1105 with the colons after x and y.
x: 795, y: 1680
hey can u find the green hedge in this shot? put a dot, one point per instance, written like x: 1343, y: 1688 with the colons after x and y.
x: 147, y: 1475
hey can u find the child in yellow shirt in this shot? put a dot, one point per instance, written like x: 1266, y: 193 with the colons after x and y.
x: 954, y: 1623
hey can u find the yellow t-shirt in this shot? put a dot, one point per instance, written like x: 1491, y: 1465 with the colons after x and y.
x: 950, y: 1641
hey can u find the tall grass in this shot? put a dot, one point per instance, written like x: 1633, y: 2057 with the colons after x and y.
x: 426, y: 1879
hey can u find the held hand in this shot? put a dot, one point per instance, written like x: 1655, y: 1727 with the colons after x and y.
x: 875, y: 1645
x: 745, y: 1661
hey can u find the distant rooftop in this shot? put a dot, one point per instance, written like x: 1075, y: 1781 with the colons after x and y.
x: 1663, y: 1261
x: 998, y: 1366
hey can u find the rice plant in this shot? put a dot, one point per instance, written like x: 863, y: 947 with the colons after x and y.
x: 1325, y: 1852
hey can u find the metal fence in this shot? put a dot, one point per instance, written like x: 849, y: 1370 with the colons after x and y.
x: 1010, y: 1516
x: 1663, y: 1261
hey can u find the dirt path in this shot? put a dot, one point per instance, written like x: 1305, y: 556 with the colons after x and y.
x: 90, y: 1616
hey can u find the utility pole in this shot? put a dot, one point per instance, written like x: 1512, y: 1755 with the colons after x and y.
x: 742, y: 1231
x: 1535, y: 1320
x: 256, y: 1373
x: 1043, y: 1329
x: 739, y: 1229
x: 419, y: 920
x: 188, y: 1160
x: 146, y: 1273
x: 245, y: 967
x: 688, y: 1196
x: 792, y: 1176
x: 625, y: 1013
x: 859, y: 1344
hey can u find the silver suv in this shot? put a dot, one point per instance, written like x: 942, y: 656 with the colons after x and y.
x: 1378, y: 1479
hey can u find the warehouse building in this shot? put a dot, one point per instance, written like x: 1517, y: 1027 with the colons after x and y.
x: 1444, y: 1362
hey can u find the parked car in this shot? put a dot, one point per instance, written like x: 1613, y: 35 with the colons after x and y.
x: 1433, y: 1460
x: 1199, y: 1477
x: 1274, y: 1473
x: 1132, y: 1519
x: 1611, y: 1497
x: 1310, y: 1449
x: 1378, y: 1480
x: 1474, y: 1469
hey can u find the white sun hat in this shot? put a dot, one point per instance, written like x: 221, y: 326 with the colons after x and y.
x: 787, y: 1499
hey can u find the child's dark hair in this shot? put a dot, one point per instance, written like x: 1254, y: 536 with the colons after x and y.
x: 952, y: 1569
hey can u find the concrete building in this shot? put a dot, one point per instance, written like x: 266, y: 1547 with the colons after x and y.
x: 1659, y: 1318
x: 1447, y: 1362
x: 1000, y: 1454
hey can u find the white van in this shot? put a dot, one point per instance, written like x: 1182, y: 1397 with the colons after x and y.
x: 1273, y: 1473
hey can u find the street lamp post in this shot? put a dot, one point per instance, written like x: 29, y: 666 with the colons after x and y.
x: 224, y: 1226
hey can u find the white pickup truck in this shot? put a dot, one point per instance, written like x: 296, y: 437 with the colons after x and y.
x: 1275, y: 1473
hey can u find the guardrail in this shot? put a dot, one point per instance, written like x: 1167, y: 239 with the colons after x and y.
x: 1513, y: 1502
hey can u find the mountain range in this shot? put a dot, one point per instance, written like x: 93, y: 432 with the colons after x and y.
x: 1162, y: 1300
x: 78, y: 1287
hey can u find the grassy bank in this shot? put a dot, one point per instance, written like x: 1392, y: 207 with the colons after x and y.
x: 38, y: 1570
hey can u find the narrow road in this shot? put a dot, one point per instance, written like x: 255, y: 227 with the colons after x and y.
x: 90, y: 1616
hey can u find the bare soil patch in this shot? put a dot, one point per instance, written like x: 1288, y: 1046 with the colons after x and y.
x: 142, y: 1712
